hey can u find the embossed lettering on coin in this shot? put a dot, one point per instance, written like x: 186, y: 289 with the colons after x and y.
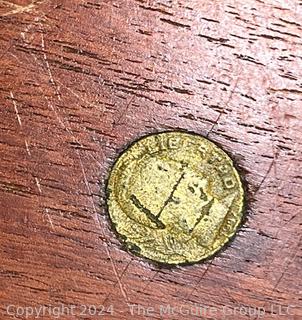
x: 175, y: 197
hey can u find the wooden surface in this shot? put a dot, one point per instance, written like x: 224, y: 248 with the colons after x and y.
x: 82, y: 79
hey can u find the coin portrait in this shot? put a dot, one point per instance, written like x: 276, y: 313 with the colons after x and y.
x: 174, y: 197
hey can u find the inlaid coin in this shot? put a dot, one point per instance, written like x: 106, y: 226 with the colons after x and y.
x: 174, y: 197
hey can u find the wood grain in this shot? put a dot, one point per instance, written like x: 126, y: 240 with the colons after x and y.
x: 82, y: 79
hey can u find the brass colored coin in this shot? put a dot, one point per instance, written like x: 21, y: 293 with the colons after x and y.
x: 175, y: 197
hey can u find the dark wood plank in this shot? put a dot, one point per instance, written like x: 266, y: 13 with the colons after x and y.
x: 82, y: 79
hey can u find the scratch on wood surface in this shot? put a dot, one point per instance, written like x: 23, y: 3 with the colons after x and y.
x: 14, y: 56
x: 27, y: 148
x: 79, y: 97
x: 230, y: 296
x: 121, y: 276
x: 19, y: 120
x: 216, y: 122
x: 16, y: 9
x: 46, y: 210
x: 199, y: 280
x: 288, y: 265
x: 66, y: 126
x: 16, y: 109
x: 53, y: 82
x: 58, y: 118
x: 51, y: 78
x: 276, y: 154
x: 123, y: 113
x: 98, y: 224
x: 144, y: 290
x: 38, y: 185
x: 49, y: 219
x: 96, y: 219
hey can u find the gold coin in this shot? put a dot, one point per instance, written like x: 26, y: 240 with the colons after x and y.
x: 175, y: 197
